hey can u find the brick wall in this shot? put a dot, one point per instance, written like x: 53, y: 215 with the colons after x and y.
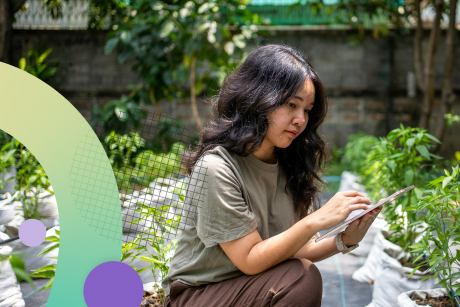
x: 366, y: 82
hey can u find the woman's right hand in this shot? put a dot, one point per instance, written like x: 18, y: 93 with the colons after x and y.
x: 338, y: 208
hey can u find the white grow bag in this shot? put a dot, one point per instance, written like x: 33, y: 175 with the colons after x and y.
x: 404, y: 299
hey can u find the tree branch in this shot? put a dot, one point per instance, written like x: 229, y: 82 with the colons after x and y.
x: 429, y: 73
x: 448, y: 96
x: 418, y: 37
x: 196, y: 115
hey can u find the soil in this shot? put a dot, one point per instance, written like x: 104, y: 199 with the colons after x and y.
x: 408, y: 263
x: 153, y: 300
x: 442, y: 301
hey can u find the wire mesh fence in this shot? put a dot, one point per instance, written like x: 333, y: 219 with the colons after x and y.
x: 157, y: 197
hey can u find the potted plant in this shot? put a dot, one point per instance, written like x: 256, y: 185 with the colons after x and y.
x: 396, y: 162
x: 441, y: 207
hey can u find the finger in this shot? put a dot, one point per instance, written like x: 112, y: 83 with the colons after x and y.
x: 353, y: 207
x: 370, y: 217
x: 359, y: 199
x: 352, y: 193
x: 367, y: 224
x: 368, y: 221
x: 354, y: 224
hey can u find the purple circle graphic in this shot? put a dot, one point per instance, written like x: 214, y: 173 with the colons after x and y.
x: 113, y: 284
x: 32, y: 232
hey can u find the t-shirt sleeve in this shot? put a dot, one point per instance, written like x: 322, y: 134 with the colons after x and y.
x: 222, y: 213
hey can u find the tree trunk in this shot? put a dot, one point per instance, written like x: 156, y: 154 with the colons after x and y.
x: 448, y: 96
x: 429, y: 72
x: 6, y: 29
x: 196, y: 115
x: 7, y: 11
x: 418, y: 38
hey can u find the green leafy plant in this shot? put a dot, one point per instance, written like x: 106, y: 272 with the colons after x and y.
x: 134, y: 165
x: 356, y: 150
x: 36, y: 64
x: 178, y: 46
x: 397, y: 161
x: 155, y: 238
x: 4, y: 138
x: 122, y: 149
x: 48, y: 271
x: 31, y: 179
x: 6, y: 157
x: 441, y: 207
x: 150, y: 166
x: 119, y: 115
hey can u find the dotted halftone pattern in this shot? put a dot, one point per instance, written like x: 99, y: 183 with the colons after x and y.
x: 90, y: 194
x: 157, y: 198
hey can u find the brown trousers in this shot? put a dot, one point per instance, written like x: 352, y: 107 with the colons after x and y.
x: 291, y: 283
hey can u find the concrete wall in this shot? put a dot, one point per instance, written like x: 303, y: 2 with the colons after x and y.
x: 366, y: 81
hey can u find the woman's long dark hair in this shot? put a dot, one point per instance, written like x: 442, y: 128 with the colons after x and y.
x: 268, y: 78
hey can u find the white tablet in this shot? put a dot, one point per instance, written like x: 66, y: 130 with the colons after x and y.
x: 382, y: 202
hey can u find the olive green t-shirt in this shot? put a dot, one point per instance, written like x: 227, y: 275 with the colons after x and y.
x: 228, y: 196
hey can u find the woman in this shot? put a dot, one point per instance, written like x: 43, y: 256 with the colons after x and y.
x: 254, y: 180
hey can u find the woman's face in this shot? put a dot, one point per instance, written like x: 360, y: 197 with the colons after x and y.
x: 288, y: 120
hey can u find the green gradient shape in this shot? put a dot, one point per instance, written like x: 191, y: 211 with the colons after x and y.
x: 56, y: 133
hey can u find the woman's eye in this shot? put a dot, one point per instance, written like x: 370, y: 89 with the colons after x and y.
x: 291, y: 105
x: 307, y: 111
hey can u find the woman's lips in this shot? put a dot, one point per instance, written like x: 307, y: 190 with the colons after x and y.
x: 291, y: 134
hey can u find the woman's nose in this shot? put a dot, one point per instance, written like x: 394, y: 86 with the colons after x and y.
x: 300, y: 118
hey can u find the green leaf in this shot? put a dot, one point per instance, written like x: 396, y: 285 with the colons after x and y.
x: 150, y: 259
x: 423, y: 150
x: 410, y: 142
x: 48, y: 249
x: 413, y: 271
x: 425, y: 277
x: 408, y: 177
x: 142, y: 270
x: 31, y: 179
x: 431, y: 137
x: 167, y: 28
x: 391, y: 164
x: 49, y: 284
x: 22, y: 64
x: 416, y: 245
x: 44, y: 55
x: 110, y: 45
x: 446, y: 181
x: 46, y: 268
x: 52, y: 239
x: 418, y: 192
x: 22, y: 275
x: 43, y: 274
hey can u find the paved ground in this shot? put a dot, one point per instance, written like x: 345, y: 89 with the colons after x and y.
x: 339, y: 289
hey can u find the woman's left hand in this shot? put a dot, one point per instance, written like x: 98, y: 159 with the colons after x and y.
x: 355, y: 231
